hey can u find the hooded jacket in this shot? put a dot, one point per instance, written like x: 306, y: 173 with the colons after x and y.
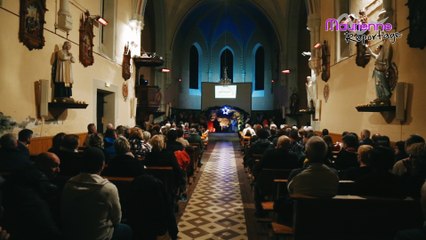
x: 90, y: 208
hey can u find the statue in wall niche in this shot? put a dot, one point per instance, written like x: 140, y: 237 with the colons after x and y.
x: 62, y: 76
x: 311, y: 91
x: 384, y: 74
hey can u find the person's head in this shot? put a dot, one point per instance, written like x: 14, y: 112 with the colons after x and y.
x: 93, y: 161
x: 121, y: 130
x: 57, y: 140
x: 325, y: 132
x: 382, y: 159
x: 70, y: 142
x: 294, y: 134
x: 350, y: 141
x: 25, y: 135
x: 284, y: 142
x: 412, y: 139
x: 91, y: 128
x: 263, y: 133
x: 48, y: 163
x: 400, y: 147
x: 365, y: 134
x: 316, y: 149
x: 179, y: 132
x: 146, y: 136
x: 383, y: 141
x: 418, y: 156
x: 8, y: 141
x: 110, y: 133
x: 109, y: 126
x: 66, y: 45
x: 136, y: 133
x: 172, y: 135
x: 121, y: 145
x: 157, y: 143
x: 364, y: 152
x: 95, y: 140
x: 307, y: 135
x: 193, y: 131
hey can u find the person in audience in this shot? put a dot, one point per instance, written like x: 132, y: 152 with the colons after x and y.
x: 172, y: 145
x: 258, y: 147
x: 248, y: 131
x: 365, y: 138
x: 180, y: 139
x: 91, y: 129
x: 150, y: 214
x: 278, y: 158
x: 159, y: 156
x: 69, y: 155
x: 403, y: 166
x: 194, y: 137
x: 317, y: 180
x: 380, y: 182
x: 11, y: 159
x: 364, y: 153
x: 57, y: 142
x: 137, y: 143
x: 324, y: 132
x: 419, y: 167
x: 96, y: 140
x: 109, y: 138
x: 24, y: 139
x: 413, y: 179
x: 90, y: 204
x: 400, y: 152
x: 122, y: 131
x: 329, y: 141
x: 124, y: 164
x: 296, y: 147
x: 110, y: 126
x: 347, y: 157
x: 30, y: 200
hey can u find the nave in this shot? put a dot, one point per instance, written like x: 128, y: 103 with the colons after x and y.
x: 221, y: 204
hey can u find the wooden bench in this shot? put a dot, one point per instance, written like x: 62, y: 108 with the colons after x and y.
x: 123, y: 187
x: 352, y: 218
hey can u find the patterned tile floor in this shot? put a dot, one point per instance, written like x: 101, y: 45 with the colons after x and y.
x: 215, y: 209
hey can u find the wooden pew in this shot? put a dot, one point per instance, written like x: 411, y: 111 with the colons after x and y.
x: 123, y: 186
x: 352, y: 218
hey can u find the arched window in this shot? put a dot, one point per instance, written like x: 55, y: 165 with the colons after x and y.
x: 227, y: 60
x: 259, y: 69
x: 193, y: 67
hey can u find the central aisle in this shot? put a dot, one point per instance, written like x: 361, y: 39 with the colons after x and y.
x: 215, y: 209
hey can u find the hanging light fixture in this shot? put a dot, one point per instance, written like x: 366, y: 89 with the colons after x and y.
x: 225, y: 80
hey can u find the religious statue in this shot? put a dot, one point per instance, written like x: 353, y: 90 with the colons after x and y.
x: 62, y: 71
x: 384, y: 73
x: 311, y: 91
x: 362, y: 55
x: 294, y: 103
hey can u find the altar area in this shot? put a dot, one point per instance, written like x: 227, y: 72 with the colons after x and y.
x: 225, y: 119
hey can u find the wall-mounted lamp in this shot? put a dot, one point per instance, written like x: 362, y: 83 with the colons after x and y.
x: 318, y: 45
x: 286, y: 71
x: 179, y: 80
x: 165, y: 70
x: 98, y: 20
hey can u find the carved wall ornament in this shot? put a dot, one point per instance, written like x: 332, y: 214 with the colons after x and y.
x: 125, y: 90
x: 31, y: 23
x: 125, y: 71
x: 86, y: 40
x: 326, y: 92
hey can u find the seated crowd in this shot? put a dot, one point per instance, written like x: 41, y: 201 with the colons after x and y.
x: 376, y: 167
x: 65, y: 193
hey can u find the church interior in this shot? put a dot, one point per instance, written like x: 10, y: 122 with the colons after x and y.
x: 195, y: 97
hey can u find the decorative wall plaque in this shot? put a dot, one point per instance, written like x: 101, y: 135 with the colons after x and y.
x: 31, y: 23
x: 86, y: 40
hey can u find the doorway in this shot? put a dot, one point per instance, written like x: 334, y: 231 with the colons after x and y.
x: 105, y: 109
